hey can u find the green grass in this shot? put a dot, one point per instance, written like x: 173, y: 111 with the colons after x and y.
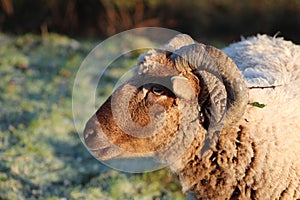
x: 41, y: 154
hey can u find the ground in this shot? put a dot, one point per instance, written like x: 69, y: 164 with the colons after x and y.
x: 41, y: 154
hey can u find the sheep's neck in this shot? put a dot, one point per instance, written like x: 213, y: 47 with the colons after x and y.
x: 216, y: 173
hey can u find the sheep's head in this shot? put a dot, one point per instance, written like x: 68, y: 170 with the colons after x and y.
x: 182, y: 89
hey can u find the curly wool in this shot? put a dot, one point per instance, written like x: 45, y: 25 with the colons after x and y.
x: 258, y: 158
x: 266, y: 61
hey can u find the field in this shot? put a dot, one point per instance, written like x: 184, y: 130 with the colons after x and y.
x: 41, y: 154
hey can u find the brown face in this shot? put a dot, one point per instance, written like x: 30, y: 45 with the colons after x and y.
x: 134, y: 121
x: 143, y: 116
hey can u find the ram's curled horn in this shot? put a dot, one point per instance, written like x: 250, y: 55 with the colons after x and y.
x: 204, y: 61
x: 179, y: 41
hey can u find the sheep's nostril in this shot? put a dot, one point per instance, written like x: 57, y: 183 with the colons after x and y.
x: 89, y: 133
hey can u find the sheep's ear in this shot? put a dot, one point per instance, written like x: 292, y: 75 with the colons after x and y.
x: 182, y: 88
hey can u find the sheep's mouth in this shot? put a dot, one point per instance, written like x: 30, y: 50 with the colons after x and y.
x: 112, y: 152
x: 108, y: 153
x: 104, y: 150
x: 105, y: 153
x: 99, y: 146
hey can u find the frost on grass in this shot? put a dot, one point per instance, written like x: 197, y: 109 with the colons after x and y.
x: 41, y: 155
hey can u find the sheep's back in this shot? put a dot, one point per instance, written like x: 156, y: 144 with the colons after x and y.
x: 271, y: 69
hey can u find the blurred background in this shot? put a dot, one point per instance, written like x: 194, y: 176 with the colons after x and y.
x: 225, y: 20
x: 42, y: 45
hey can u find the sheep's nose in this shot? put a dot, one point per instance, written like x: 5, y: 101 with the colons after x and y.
x: 94, y: 137
x: 97, y: 142
x: 89, y: 136
x: 89, y: 133
x: 89, y: 130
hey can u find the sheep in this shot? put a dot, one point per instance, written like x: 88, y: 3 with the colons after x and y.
x: 234, y: 113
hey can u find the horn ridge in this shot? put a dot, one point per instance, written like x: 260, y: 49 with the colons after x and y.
x: 198, y: 57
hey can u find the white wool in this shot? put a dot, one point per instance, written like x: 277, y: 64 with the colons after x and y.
x: 271, y: 69
x: 266, y: 61
x: 270, y: 62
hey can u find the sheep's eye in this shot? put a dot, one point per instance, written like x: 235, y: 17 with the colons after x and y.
x: 157, y: 91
